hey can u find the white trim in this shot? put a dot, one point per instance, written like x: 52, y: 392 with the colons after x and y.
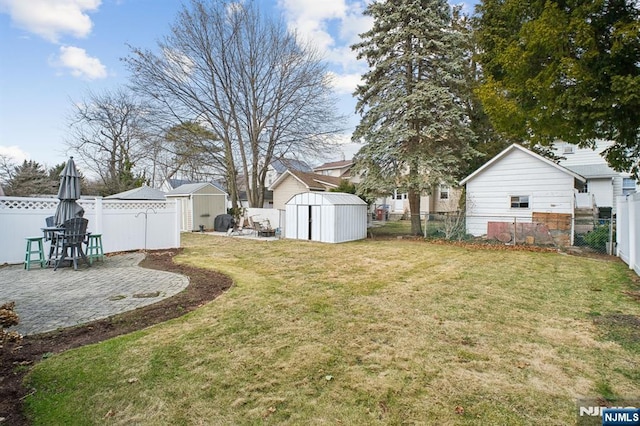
x: 526, y: 151
x: 281, y: 179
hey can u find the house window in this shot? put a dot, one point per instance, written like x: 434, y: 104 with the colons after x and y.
x: 520, y: 202
x: 628, y: 186
x: 444, y: 192
x: 584, y: 189
x: 569, y: 149
x: 400, y: 195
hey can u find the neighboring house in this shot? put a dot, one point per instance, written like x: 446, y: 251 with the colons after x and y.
x: 444, y: 198
x: 519, y: 186
x: 275, y: 169
x: 340, y: 169
x: 142, y: 193
x: 200, y: 204
x: 170, y: 184
x: 603, y: 183
x: 281, y: 165
x: 293, y: 182
x: 267, y: 202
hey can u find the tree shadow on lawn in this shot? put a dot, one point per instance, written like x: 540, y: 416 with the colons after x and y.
x: 17, y: 359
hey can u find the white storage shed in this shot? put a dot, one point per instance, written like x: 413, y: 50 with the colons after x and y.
x: 328, y: 217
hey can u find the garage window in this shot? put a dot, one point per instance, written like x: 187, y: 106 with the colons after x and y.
x: 519, y: 201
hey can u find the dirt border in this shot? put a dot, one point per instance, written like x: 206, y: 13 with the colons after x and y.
x: 16, y: 360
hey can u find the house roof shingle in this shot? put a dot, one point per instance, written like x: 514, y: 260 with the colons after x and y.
x: 334, y: 165
x: 593, y: 170
x: 312, y: 181
x: 283, y: 164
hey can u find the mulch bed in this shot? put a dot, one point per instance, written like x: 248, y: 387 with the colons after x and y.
x: 15, y: 360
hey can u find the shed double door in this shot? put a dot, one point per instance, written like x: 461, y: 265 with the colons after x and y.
x: 309, y: 223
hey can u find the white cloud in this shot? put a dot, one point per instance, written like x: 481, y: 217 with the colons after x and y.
x: 355, y: 23
x: 79, y: 63
x: 345, y: 84
x: 332, y: 26
x: 314, y: 9
x: 15, y: 153
x: 344, y: 148
x: 309, y: 19
x: 50, y: 19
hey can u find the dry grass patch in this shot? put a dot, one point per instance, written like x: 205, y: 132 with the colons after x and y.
x: 370, y: 332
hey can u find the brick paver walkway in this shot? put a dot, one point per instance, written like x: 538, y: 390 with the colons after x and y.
x: 47, y: 300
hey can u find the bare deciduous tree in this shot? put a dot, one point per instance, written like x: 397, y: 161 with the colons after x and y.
x: 7, y: 169
x: 247, y: 79
x: 110, y: 134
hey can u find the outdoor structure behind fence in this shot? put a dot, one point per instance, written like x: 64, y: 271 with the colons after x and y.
x: 628, y: 230
x: 588, y: 233
x: 124, y: 225
x: 555, y: 229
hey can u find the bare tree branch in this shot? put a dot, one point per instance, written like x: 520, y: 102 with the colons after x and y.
x: 109, y: 132
x: 245, y: 78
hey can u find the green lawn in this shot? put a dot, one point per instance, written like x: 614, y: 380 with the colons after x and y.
x: 369, y: 332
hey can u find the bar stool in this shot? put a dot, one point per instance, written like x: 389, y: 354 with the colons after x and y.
x: 94, y: 247
x: 28, y: 260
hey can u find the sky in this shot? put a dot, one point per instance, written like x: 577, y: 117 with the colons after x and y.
x: 54, y: 52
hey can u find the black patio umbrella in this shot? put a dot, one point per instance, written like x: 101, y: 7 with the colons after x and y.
x: 68, y: 193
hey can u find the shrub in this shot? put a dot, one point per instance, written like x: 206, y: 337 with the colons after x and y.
x: 598, y: 238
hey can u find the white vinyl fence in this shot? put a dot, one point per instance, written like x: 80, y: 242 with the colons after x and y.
x: 260, y: 215
x: 124, y: 225
x: 628, y: 230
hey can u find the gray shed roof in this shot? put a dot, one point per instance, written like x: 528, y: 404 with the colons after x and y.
x: 593, y: 170
x: 326, y: 198
x: 190, y: 188
x: 142, y: 193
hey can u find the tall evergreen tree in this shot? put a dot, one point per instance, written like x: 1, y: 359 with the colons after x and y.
x: 30, y: 179
x: 414, y: 126
x: 569, y: 70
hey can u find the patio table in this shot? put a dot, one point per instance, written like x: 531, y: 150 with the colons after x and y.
x: 50, y: 234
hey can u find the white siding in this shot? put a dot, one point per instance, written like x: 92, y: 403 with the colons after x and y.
x: 582, y: 156
x: 602, y: 189
x: 549, y: 189
x: 605, y: 193
x: 335, y: 217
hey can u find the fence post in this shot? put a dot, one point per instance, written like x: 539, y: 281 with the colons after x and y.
x: 632, y: 213
x: 610, y: 251
x: 99, y: 213
x: 178, y: 222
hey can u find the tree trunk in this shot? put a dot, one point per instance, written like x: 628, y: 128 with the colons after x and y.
x: 414, y: 206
